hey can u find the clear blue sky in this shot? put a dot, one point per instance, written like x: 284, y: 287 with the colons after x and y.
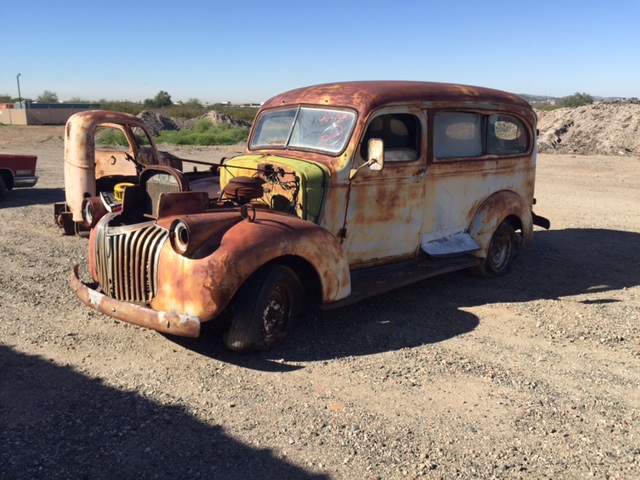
x: 249, y: 50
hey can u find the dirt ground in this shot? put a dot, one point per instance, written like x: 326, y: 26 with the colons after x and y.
x: 534, y: 375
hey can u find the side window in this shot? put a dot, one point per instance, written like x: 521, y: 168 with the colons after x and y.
x: 400, y: 133
x: 457, y: 134
x: 506, y: 135
x: 111, y: 139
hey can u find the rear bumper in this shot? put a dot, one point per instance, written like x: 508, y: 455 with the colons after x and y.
x: 540, y: 221
x: 21, y: 182
x: 171, y: 323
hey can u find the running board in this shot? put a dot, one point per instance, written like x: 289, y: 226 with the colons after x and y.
x: 373, y: 281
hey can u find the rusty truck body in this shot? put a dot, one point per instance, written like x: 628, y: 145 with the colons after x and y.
x: 104, y: 151
x: 345, y: 191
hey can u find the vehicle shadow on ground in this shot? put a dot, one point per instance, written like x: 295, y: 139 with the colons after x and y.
x: 56, y: 423
x: 23, y: 197
x: 559, y: 263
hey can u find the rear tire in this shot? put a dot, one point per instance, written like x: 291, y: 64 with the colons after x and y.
x: 264, y: 309
x: 502, y: 250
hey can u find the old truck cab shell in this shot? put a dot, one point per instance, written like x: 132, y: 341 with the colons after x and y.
x: 91, y: 167
x: 345, y: 190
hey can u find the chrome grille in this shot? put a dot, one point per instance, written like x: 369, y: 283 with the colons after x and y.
x: 127, y: 260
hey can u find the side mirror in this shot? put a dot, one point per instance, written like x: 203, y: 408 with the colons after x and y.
x: 375, y: 157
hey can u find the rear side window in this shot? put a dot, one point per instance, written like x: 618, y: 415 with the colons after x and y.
x: 506, y: 135
x: 465, y: 135
x: 457, y: 134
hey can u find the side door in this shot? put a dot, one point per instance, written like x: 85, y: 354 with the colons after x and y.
x: 385, y: 207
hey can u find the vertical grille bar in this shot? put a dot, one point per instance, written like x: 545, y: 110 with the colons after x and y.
x: 127, y: 260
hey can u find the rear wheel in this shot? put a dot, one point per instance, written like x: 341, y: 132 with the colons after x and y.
x: 3, y: 187
x: 264, y: 309
x: 502, y: 250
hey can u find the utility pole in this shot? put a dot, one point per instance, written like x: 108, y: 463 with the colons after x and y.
x: 19, y: 95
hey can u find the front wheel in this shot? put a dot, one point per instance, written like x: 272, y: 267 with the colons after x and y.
x: 502, y: 250
x: 264, y: 309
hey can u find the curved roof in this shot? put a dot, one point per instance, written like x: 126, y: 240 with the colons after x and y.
x: 369, y: 95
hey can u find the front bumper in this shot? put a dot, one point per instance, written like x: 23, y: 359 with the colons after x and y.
x: 171, y: 323
x: 22, y: 182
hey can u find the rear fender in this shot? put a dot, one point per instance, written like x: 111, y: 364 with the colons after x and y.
x: 495, y: 209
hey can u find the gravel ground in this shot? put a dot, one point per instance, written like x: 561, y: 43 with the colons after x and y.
x: 534, y: 375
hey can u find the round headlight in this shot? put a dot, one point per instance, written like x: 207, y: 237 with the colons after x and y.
x: 93, y: 210
x: 180, y: 236
x: 87, y: 212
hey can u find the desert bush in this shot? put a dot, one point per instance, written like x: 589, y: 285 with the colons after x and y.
x: 112, y: 136
x: 191, y: 109
x: 161, y: 100
x: 241, y: 113
x: 48, y: 97
x: 205, y: 133
x: 577, y: 100
x: 124, y: 106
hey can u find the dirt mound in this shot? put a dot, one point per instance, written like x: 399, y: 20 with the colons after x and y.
x: 604, y: 128
x: 158, y: 123
x: 216, y: 118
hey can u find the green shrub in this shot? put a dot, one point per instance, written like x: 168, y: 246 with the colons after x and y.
x: 241, y: 113
x: 205, y: 133
x: 577, y: 100
x: 111, y: 136
x: 191, y: 109
x: 121, y: 106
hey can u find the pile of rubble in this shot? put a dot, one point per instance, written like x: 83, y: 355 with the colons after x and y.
x: 603, y: 128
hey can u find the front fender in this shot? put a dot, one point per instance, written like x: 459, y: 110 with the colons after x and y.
x: 203, y: 287
x: 493, y: 211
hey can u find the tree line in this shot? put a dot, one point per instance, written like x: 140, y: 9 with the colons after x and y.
x: 161, y: 101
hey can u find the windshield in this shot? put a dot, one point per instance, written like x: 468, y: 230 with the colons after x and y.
x: 304, y: 128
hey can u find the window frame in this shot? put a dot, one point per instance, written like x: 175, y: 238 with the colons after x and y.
x: 420, y: 135
x: 485, y: 154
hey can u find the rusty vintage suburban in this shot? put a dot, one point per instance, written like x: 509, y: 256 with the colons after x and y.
x: 345, y: 191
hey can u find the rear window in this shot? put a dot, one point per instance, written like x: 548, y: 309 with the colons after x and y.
x: 506, y: 135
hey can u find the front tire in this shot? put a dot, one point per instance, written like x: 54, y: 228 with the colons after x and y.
x: 264, y: 309
x: 502, y: 250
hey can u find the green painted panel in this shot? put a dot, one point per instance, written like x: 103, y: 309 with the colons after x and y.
x: 313, y: 178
